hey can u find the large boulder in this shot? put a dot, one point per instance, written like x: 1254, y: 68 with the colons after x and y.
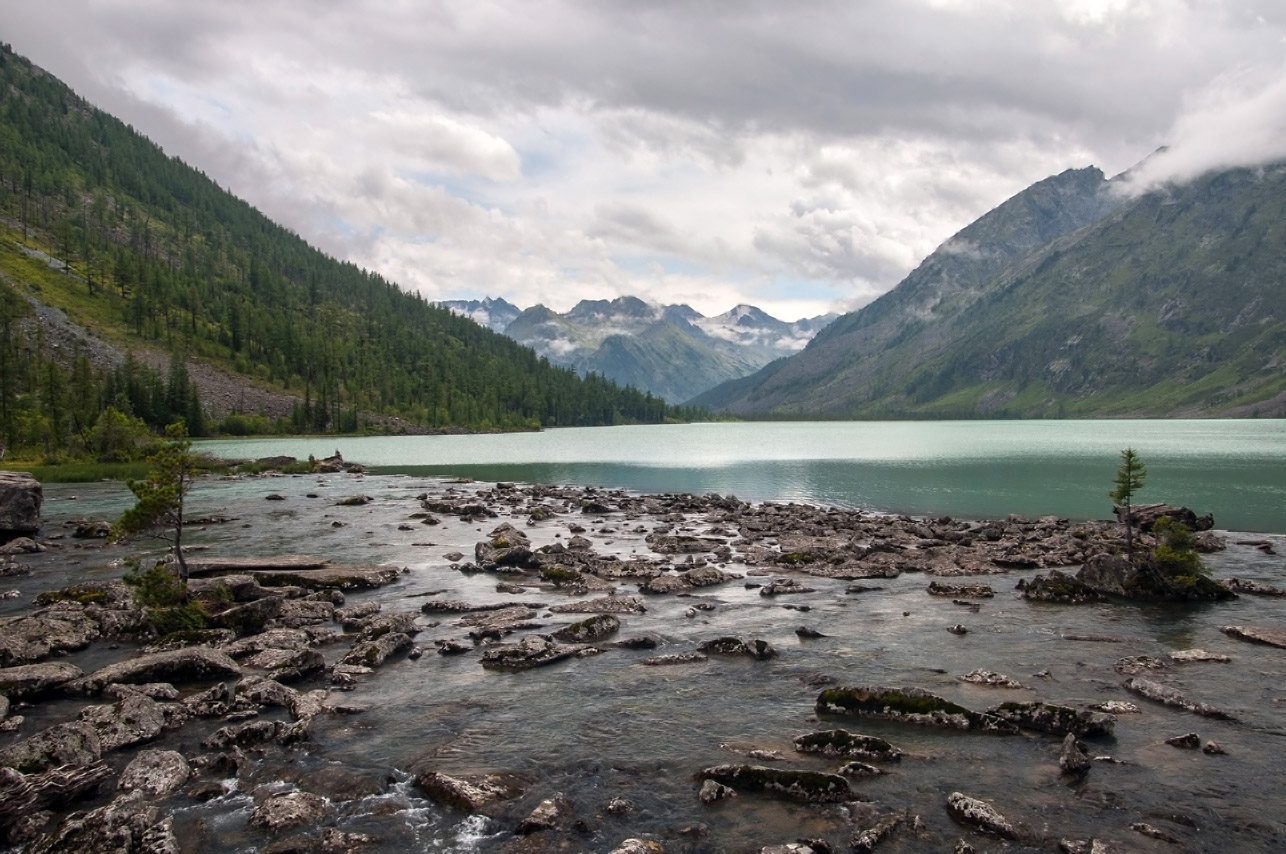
x: 194, y: 664
x: 134, y: 720
x: 31, y: 680
x: 1107, y: 573
x: 814, y: 787
x: 20, y: 499
x: 907, y: 705
x: 1144, y: 516
x: 60, y: 628
x: 75, y: 743
x: 158, y: 773
x: 468, y: 794
x: 129, y: 823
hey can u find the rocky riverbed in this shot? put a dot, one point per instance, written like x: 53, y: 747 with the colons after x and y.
x: 410, y: 664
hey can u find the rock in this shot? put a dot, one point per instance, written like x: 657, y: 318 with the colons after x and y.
x: 808, y: 633
x: 1258, y: 634
x: 968, y: 591
x: 467, y: 794
x: 375, y: 653
x: 245, y: 734
x: 1106, y: 573
x: 675, y: 658
x: 127, y: 824
x: 74, y: 743
x: 1133, y: 665
x: 1187, y: 655
x: 33, y: 680
x: 1171, y: 697
x: 1191, y: 741
x: 587, y: 631
x: 1059, y: 588
x: 839, y: 742
x: 61, y: 628
x: 987, y: 677
x: 1072, y: 759
x: 907, y: 705
x: 708, y: 576
x: 1213, y: 748
x: 1153, y: 832
x: 90, y: 529
x: 24, y: 796
x: 20, y: 498
x: 1254, y: 588
x: 548, y: 814
x: 866, y: 840
x: 760, y: 650
x: 288, y: 809
x: 637, y: 846
x: 249, y: 618
x: 784, y: 586
x: 958, y: 629
x: 811, y: 787
x: 603, y: 605
x: 397, y: 621
x: 262, y: 691
x: 1054, y: 719
x: 195, y: 664
x: 135, y: 719
x: 1144, y: 516
x: 859, y: 770
x: 665, y: 584
x: 980, y: 814
x: 158, y: 773
x: 529, y: 653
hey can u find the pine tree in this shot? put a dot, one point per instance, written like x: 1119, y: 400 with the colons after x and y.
x: 1129, y: 480
x: 159, y: 511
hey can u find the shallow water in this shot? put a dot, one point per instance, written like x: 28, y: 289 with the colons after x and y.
x: 606, y: 726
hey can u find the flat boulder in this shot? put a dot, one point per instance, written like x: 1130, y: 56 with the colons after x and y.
x: 32, y: 680
x: 529, y: 653
x: 907, y: 705
x: 74, y: 743
x: 602, y: 605
x: 288, y: 809
x: 468, y: 794
x: 1257, y: 634
x: 135, y: 719
x: 157, y: 773
x: 589, y: 630
x: 813, y: 787
x: 1054, y: 719
x: 61, y: 628
x: 194, y: 664
x: 842, y: 743
x: 1166, y: 695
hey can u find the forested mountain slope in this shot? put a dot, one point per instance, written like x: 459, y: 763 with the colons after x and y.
x: 145, y: 251
x: 1071, y: 299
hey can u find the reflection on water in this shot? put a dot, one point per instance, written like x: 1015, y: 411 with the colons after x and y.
x: 1233, y: 469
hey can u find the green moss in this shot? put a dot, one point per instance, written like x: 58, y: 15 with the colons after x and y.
x: 560, y: 575
x: 797, y: 558
x: 83, y: 595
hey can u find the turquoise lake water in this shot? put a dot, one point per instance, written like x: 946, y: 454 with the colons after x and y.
x: 1234, y: 469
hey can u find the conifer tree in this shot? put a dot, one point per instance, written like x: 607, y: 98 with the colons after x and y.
x: 159, y: 511
x: 1129, y: 480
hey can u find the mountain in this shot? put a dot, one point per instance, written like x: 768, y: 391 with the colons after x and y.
x: 105, y: 239
x: 494, y: 314
x: 671, y: 351
x: 1073, y: 298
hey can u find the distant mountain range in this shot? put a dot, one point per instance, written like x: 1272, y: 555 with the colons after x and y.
x: 673, y: 351
x: 1076, y: 297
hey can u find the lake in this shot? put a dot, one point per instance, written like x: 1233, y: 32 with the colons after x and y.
x: 1234, y: 469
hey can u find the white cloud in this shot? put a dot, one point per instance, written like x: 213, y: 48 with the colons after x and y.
x: 798, y: 156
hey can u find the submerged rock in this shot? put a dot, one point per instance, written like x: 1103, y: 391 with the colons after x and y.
x: 529, y: 653
x: 907, y: 705
x: 987, y: 677
x: 866, y: 840
x: 968, y: 591
x: 811, y: 787
x: 675, y: 658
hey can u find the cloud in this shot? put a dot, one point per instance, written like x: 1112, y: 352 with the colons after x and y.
x: 1237, y: 120
x: 795, y: 156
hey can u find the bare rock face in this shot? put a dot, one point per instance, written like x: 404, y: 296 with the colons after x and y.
x: 158, y: 773
x: 20, y: 498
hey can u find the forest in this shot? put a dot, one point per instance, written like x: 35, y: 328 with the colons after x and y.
x: 147, y: 252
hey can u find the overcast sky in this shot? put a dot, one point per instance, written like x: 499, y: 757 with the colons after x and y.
x: 799, y: 156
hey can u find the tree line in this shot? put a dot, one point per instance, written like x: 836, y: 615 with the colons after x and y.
x: 161, y: 255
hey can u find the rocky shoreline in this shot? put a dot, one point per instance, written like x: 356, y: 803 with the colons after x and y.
x: 296, y: 641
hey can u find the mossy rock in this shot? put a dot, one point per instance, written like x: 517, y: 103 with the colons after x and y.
x: 813, y: 787
x: 82, y: 594
x: 1059, y: 588
x: 841, y: 742
x: 907, y: 705
x: 560, y: 575
x: 797, y: 558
